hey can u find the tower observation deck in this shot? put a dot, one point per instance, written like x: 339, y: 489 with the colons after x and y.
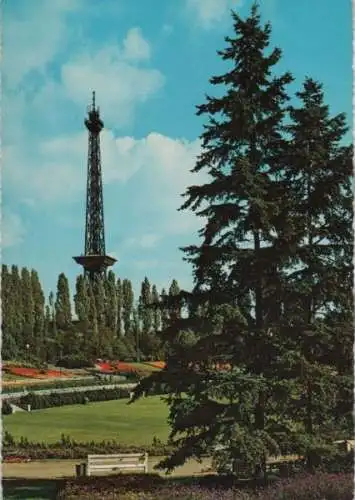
x: 94, y: 261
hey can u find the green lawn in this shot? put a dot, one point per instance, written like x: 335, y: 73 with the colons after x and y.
x: 134, y: 424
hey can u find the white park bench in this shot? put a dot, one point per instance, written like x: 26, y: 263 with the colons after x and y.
x: 120, y: 462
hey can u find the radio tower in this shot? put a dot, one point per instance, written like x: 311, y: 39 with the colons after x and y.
x: 94, y: 261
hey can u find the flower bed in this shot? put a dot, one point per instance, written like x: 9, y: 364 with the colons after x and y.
x: 36, y: 373
x: 116, y: 367
x: 154, y: 487
x: 124, y: 367
x: 14, y: 459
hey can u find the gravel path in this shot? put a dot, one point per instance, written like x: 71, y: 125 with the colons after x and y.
x: 51, y: 469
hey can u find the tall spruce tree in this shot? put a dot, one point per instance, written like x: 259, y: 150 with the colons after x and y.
x: 222, y: 383
x: 319, y: 278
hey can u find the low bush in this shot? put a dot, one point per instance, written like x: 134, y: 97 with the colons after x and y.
x: 55, y: 384
x: 6, y: 408
x: 338, y: 462
x: 153, y: 487
x: 312, y: 487
x: 67, y: 448
x: 41, y: 401
x: 77, y: 361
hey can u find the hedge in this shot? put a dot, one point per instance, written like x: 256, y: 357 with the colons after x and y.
x: 41, y: 401
x: 63, y: 384
x: 6, y: 408
x: 67, y: 448
x: 57, y: 384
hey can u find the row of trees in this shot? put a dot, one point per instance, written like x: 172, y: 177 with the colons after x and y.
x: 272, y: 297
x: 107, y: 322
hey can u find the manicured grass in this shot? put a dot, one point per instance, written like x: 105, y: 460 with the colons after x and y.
x: 10, y: 376
x: 134, y: 424
x: 145, y: 367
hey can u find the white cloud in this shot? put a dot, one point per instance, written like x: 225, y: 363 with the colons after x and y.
x: 160, y: 165
x: 209, y: 12
x: 120, y: 84
x: 12, y: 230
x: 135, y: 46
x: 33, y: 36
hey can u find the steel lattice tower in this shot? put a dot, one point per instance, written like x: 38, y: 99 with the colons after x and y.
x: 94, y: 261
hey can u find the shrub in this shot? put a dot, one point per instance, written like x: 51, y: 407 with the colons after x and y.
x: 6, y: 408
x: 312, y: 487
x: 67, y: 448
x: 153, y: 487
x: 75, y: 361
x: 8, y: 439
x: 338, y: 462
x: 41, y: 401
x: 56, y: 384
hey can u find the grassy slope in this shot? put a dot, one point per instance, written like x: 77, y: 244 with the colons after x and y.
x: 134, y: 424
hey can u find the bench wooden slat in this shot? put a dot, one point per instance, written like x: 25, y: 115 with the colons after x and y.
x: 123, y: 461
x: 119, y: 455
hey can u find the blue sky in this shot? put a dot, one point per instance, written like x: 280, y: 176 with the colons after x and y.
x: 149, y: 62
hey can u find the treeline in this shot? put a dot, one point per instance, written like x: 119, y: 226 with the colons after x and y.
x: 108, y: 321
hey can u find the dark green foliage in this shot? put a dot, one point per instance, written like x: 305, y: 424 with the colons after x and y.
x: 63, y: 315
x: 156, y: 310
x: 38, y: 315
x: 75, y: 361
x: 253, y: 365
x: 58, y: 384
x: 127, y: 305
x: 134, y: 336
x: 111, y: 301
x: 317, y: 295
x: 164, y: 309
x: 27, y: 309
x: 100, y: 302
x: 6, y: 408
x: 119, y: 307
x: 229, y: 313
x: 92, y: 336
x: 81, y: 299
x: 67, y: 448
x: 40, y: 401
x: 16, y: 307
x: 10, y: 336
x: 210, y: 487
x: 145, y: 309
